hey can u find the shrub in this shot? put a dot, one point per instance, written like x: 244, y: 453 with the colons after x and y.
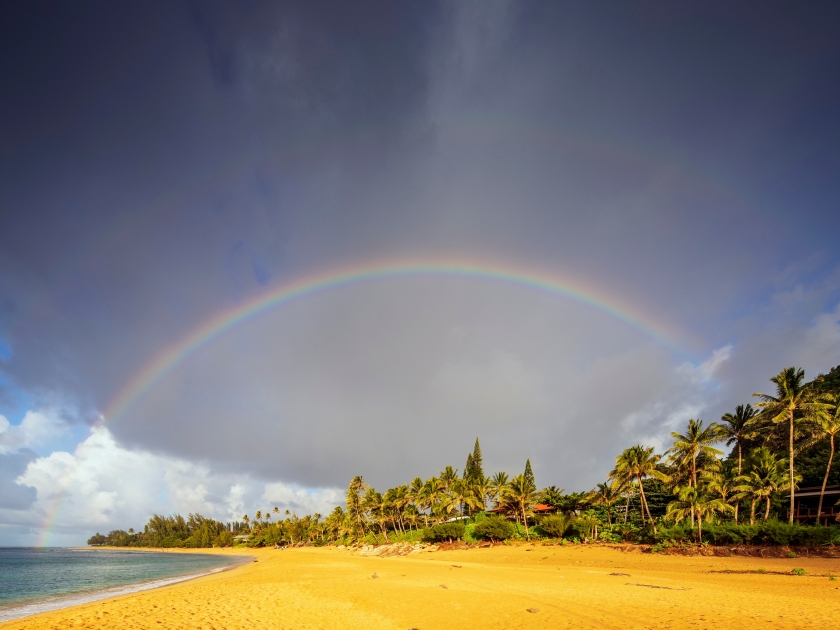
x: 665, y: 544
x: 445, y: 532
x: 679, y: 533
x: 608, y: 536
x: 494, y: 528
x: 557, y: 525
x: 627, y: 531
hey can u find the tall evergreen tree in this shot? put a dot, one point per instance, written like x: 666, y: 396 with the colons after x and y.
x: 468, y: 469
x: 529, y: 474
x: 478, y: 463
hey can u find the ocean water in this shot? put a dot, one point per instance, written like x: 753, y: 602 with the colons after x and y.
x: 34, y: 580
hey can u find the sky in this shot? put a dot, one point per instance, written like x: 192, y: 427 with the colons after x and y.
x: 619, y: 216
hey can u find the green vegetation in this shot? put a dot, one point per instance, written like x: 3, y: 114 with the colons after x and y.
x: 558, y: 525
x: 494, y: 529
x: 171, y: 531
x: 444, y: 532
x: 689, y: 493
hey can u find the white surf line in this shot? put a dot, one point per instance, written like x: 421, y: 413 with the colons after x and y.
x: 65, y: 601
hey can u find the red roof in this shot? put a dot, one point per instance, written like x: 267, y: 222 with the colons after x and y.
x: 537, y: 507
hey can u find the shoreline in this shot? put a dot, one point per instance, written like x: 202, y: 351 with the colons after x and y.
x: 69, y: 600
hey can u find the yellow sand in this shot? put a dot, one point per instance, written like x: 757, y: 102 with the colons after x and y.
x: 572, y: 587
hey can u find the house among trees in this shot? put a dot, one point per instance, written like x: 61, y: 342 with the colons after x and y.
x: 806, y: 502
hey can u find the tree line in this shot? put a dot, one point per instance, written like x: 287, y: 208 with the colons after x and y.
x: 785, y: 437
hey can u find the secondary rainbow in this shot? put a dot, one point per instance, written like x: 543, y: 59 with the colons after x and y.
x: 562, y: 286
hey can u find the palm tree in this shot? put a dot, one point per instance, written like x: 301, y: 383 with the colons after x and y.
x: 638, y: 462
x: 428, y: 496
x: 606, y: 494
x: 375, y: 506
x: 520, y: 492
x: 390, y: 507
x: 460, y: 494
x: 447, y: 476
x: 694, y: 444
x: 739, y: 427
x: 792, y: 400
x: 404, y: 499
x: 481, y: 488
x: 416, y: 494
x: 736, y: 429
x: 827, y: 425
x: 693, y: 501
x: 723, y: 481
x: 765, y: 477
x: 497, y: 485
x: 353, y: 502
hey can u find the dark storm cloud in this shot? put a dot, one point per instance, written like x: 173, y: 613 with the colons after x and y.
x: 162, y: 162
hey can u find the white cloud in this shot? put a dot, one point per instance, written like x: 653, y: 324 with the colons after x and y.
x: 691, y: 392
x: 290, y: 498
x: 705, y: 372
x: 36, y: 429
x: 102, y: 486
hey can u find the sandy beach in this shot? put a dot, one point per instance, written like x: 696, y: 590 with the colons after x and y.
x: 500, y: 587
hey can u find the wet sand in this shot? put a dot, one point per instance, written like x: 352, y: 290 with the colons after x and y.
x: 567, y: 587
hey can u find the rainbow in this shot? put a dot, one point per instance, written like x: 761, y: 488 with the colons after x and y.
x: 564, y: 286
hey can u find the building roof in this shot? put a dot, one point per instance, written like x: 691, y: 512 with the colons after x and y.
x: 536, y: 507
x: 814, y: 491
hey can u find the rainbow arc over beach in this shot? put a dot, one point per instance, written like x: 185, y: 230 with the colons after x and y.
x: 561, y: 285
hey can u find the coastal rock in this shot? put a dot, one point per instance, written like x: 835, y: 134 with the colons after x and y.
x: 395, y: 549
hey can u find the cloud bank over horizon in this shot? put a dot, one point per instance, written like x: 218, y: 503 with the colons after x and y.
x: 162, y: 165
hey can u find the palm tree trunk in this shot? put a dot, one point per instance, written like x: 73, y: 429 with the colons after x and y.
x: 693, y: 485
x: 525, y: 520
x: 627, y: 506
x: 825, y: 479
x: 790, y: 516
x: 699, y: 529
x: 642, y: 502
x: 752, y: 512
x: 645, y: 506
x: 740, y: 457
x: 767, y: 511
